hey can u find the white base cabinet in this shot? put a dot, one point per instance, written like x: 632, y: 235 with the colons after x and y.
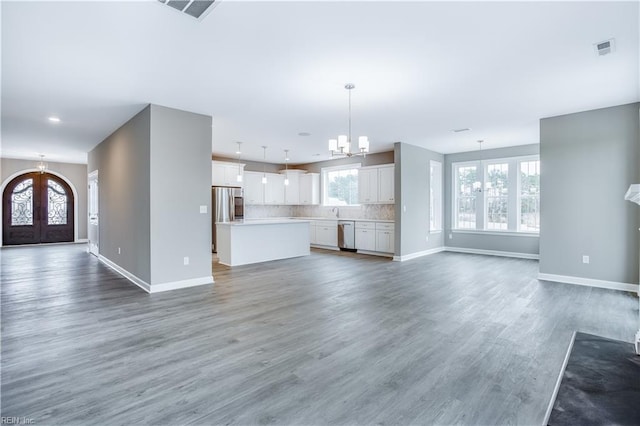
x: 375, y: 237
x: 385, y: 241
x: 326, y: 233
x: 366, y: 236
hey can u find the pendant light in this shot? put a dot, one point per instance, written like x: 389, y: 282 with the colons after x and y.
x: 477, y: 185
x: 239, y: 177
x: 42, y: 166
x: 342, y: 145
x: 264, y: 164
x: 286, y: 167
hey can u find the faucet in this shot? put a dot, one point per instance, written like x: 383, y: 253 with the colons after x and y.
x: 336, y: 211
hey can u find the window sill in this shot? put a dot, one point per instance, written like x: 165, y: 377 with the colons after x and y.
x: 436, y: 231
x: 499, y: 233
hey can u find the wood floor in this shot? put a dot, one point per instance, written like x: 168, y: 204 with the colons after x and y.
x: 327, y: 339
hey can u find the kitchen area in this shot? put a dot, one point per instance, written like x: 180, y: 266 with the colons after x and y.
x: 261, y: 215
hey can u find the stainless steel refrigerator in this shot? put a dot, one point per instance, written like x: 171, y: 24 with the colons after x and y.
x: 228, y: 206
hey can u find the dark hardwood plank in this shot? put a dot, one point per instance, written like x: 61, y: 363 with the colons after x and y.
x: 332, y: 338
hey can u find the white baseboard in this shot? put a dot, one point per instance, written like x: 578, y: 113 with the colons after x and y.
x: 155, y: 288
x: 418, y: 254
x: 493, y: 252
x: 611, y: 285
x: 128, y: 275
x: 174, y: 285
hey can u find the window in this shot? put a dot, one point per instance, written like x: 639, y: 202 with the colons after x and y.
x: 497, y: 195
x: 340, y: 185
x: 435, y: 196
x: 529, y: 196
x: 465, y: 208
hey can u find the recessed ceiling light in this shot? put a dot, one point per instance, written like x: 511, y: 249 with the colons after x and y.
x: 465, y: 129
x: 54, y: 119
x: 304, y: 134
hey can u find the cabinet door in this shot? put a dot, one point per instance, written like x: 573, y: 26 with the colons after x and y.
x: 366, y: 239
x: 327, y: 235
x: 368, y: 185
x: 217, y: 174
x: 253, y: 188
x: 292, y: 191
x: 386, y: 184
x: 274, y: 189
x: 384, y: 241
x: 231, y: 175
x: 309, y: 189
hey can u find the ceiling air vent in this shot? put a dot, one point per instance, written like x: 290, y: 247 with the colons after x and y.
x: 605, y: 47
x: 195, y: 8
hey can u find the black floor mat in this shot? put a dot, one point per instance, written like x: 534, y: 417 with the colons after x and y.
x: 600, y: 385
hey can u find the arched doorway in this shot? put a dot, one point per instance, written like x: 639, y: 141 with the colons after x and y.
x: 37, y: 208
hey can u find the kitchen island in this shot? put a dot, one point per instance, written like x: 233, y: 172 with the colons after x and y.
x: 261, y: 240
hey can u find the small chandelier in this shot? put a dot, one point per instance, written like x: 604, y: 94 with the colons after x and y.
x: 342, y: 145
x: 477, y: 185
x: 42, y: 166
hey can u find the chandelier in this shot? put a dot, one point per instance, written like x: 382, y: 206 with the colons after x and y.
x: 42, y: 166
x: 342, y: 145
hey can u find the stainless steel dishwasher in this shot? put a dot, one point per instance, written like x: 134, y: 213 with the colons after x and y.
x: 346, y: 235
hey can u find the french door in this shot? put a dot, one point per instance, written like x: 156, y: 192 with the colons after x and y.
x: 37, y: 208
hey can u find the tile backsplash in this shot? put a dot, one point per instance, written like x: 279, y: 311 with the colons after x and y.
x: 364, y: 211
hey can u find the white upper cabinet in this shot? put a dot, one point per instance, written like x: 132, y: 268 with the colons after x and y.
x: 274, y: 189
x: 303, y: 188
x: 376, y: 184
x: 309, y: 189
x: 226, y: 174
x: 386, y: 184
x: 292, y: 190
x: 368, y: 185
x: 253, y: 188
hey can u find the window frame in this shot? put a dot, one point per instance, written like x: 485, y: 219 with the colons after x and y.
x: 323, y: 183
x: 513, y: 196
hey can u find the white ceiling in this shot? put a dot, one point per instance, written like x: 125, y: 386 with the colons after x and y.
x: 266, y: 71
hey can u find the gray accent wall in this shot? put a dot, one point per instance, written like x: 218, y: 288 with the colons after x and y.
x: 124, y: 180
x: 525, y: 244
x: 180, y: 184
x: 74, y: 173
x: 588, y: 161
x: 412, y: 194
x: 154, y: 173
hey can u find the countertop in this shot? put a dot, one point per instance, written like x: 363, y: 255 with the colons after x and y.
x: 344, y: 218
x: 250, y: 222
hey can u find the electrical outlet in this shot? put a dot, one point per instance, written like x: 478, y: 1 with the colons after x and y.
x: 118, y: 250
x: 186, y: 260
x: 450, y: 236
x: 585, y: 259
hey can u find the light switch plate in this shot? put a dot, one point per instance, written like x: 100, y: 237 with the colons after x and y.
x: 203, y: 209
